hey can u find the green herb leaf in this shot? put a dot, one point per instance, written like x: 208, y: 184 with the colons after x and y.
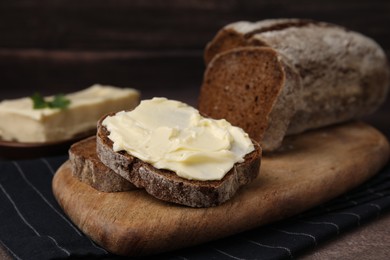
x: 59, y: 101
x: 38, y: 101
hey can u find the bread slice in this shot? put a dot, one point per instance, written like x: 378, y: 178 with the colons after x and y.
x: 87, y: 168
x: 254, y: 88
x: 340, y: 75
x: 166, y: 185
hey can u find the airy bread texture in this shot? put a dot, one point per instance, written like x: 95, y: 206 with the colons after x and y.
x: 87, y: 168
x: 167, y: 186
x: 279, y: 77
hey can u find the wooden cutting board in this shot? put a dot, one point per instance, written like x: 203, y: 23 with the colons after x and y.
x: 311, y: 169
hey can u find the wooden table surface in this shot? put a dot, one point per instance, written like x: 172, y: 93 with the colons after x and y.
x: 157, y: 47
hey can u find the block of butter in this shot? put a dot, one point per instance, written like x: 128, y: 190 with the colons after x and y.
x: 20, y: 122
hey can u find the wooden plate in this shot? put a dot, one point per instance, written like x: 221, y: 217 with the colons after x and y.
x: 312, y: 168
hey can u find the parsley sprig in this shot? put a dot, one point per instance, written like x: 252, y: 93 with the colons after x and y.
x: 59, y: 101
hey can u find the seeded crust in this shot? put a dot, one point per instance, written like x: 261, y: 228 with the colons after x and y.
x: 340, y: 75
x: 167, y: 186
x: 87, y: 168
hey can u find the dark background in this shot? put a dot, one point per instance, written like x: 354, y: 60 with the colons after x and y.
x: 155, y: 46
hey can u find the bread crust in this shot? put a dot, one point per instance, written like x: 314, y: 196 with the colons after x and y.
x: 167, y: 186
x: 241, y: 34
x: 87, y: 168
x: 343, y: 75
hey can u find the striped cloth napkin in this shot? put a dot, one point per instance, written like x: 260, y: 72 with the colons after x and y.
x: 33, y: 226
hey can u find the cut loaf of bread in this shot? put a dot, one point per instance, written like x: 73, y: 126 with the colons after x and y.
x: 87, y: 168
x: 166, y: 185
x: 285, y: 76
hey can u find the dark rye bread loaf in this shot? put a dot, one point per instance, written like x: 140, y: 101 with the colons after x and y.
x: 166, y: 185
x: 87, y: 168
x: 285, y: 76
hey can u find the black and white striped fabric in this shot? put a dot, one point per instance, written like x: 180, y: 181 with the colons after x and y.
x: 33, y: 226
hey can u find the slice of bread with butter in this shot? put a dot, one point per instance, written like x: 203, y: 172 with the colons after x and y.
x: 176, y: 154
x: 21, y: 122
